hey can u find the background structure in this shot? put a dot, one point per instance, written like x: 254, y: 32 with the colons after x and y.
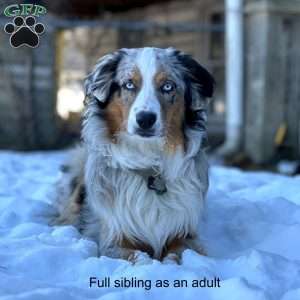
x: 41, y: 89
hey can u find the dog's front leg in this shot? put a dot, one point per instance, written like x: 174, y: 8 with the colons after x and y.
x: 175, y: 249
x: 132, y: 255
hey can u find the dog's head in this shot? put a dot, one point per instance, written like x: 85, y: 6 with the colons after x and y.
x: 150, y: 92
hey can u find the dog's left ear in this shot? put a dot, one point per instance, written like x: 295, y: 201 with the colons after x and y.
x: 100, y: 83
x: 199, y: 86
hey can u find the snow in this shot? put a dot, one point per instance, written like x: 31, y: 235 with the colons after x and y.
x: 250, y: 230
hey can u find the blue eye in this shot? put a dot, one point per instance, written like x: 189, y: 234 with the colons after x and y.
x: 167, y: 87
x: 129, y: 85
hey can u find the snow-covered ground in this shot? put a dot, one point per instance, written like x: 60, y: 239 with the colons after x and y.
x: 251, y: 232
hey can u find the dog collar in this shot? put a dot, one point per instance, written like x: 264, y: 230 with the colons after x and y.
x: 154, y: 180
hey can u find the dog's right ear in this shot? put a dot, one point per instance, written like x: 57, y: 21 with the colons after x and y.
x: 100, y: 83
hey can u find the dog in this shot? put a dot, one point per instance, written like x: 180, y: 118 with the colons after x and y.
x: 138, y: 181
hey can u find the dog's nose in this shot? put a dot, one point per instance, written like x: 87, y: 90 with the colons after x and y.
x: 146, y: 119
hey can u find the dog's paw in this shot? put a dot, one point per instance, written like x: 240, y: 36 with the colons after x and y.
x: 171, y: 258
x: 139, y: 258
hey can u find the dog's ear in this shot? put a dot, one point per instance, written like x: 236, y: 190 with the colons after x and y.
x: 100, y: 83
x: 199, y: 86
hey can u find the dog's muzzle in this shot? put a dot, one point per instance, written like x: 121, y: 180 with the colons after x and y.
x: 146, y: 122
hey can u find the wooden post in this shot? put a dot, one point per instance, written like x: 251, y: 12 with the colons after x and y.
x: 28, y: 94
x: 270, y: 75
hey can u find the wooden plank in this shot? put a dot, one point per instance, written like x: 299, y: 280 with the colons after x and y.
x: 293, y: 86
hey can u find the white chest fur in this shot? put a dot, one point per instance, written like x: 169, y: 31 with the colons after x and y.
x: 125, y: 206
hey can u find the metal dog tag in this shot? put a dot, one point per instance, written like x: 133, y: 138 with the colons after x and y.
x: 157, y: 184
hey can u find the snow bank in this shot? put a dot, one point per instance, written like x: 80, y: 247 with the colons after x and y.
x: 251, y: 232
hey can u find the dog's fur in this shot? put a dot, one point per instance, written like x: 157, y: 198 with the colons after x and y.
x: 103, y: 190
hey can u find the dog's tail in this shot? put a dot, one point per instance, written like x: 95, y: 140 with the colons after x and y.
x: 71, y: 190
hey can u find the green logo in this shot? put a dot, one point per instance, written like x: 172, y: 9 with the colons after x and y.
x: 24, y: 10
x: 24, y: 29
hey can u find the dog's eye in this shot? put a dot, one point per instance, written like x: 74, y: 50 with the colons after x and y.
x: 167, y: 87
x: 129, y: 85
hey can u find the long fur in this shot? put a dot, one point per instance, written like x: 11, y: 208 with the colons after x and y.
x: 118, y: 204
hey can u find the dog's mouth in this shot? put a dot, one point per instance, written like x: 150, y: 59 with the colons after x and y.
x: 145, y: 133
